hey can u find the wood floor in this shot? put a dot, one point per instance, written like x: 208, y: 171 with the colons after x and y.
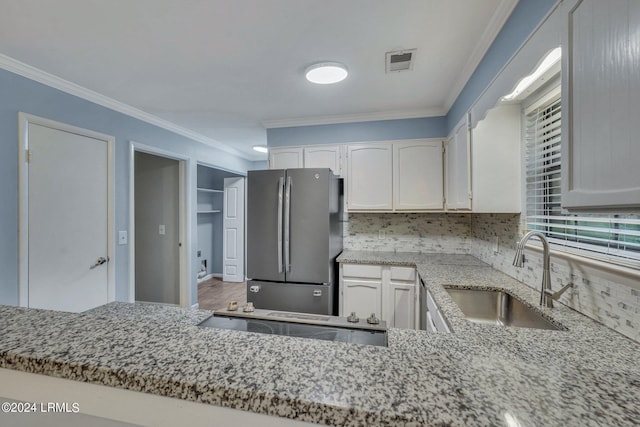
x: 214, y: 294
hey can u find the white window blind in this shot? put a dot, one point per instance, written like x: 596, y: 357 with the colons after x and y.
x: 613, y: 237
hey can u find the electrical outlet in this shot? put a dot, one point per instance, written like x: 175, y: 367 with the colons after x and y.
x: 495, y: 244
x: 161, y: 229
x: 199, y: 254
x: 382, y: 234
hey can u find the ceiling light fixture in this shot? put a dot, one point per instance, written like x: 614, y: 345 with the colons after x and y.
x: 549, y: 61
x: 261, y: 148
x: 325, y: 73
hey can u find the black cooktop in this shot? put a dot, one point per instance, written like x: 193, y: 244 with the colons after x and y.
x: 301, y: 330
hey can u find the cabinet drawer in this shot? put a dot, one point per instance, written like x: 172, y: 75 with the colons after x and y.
x: 359, y: 270
x: 403, y: 273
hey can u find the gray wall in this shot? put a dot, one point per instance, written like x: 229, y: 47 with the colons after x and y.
x: 157, y: 202
x: 21, y: 94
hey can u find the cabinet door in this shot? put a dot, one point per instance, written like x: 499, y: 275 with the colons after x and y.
x: 495, y: 156
x: 600, y: 92
x: 369, y: 177
x: 324, y: 156
x: 285, y: 158
x: 457, y: 169
x: 417, y: 175
x: 362, y: 296
x: 399, y: 305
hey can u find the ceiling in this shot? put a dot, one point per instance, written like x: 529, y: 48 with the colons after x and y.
x: 227, y: 69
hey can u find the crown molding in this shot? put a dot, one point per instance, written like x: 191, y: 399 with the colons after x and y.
x: 40, y: 76
x: 354, y: 118
x: 499, y: 18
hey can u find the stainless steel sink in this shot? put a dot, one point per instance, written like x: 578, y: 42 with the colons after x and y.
x: 497, y: 308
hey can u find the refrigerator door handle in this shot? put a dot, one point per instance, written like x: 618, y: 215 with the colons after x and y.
x: 287, y: 223
x: 280, y: 190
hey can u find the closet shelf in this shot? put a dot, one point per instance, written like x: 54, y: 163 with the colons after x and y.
x: 209, y: 190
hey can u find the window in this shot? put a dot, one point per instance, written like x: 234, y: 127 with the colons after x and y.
x: 614, y: 237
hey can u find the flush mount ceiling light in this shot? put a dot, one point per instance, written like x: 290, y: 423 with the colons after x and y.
x: 549, y: 61
x: 325, y: 73
x: 261, y: 148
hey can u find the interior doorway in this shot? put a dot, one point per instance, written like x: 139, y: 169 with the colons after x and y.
x: 221, y: 224
x: 158, y: 227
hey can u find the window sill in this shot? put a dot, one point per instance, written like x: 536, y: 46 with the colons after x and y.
x: 596, y: 264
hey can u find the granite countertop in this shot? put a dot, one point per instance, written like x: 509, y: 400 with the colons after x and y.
x: 587, y: 375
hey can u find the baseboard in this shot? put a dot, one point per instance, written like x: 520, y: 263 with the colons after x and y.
x: 207, y: 277
x: 195, y: 306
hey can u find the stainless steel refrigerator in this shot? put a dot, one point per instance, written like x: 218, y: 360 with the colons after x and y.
x: 294, y: 234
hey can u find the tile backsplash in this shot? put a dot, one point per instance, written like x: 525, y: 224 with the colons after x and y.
x: 411, y: 232
x: 612, y: 300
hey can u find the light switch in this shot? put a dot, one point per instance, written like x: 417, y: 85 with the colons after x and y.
x: 161, y: 229
x: 122, y: 237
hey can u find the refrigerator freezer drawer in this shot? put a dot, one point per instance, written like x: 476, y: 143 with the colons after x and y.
x: 298, y: 297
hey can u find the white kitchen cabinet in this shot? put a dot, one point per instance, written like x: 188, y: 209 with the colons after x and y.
x: 369, y: 177
x: 435, y: 320
x: 400, y: 299
x: 495, y: 159
x: 389, y: 292
x: 286, y: 158
x: 600, y: 92
x: 312, y: 156
x: 457, y: 182
x: 395, y: 176
x: 363, y: 297
x: 324, y: 156
x: 417, y: 175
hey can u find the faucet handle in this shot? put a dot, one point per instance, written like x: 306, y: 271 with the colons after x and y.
x: 556, y: 295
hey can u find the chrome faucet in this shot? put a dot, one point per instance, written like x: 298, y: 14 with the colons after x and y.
x: 546, y: 294
x: 518, y: 261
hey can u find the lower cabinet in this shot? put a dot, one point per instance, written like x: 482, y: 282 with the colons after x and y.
x: 389, y: 292
x: 435, y: 321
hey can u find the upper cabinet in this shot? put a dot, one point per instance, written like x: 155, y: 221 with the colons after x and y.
x: 324, y: 156
x: 417, y: 175
x: 312, y: 156
x: 391, y: 176
x: 397, y: 176
x: 369, y: 175
x: 600, y: 92
x: 286, y: 158
x: 458, y: 191
x: 495, y: 158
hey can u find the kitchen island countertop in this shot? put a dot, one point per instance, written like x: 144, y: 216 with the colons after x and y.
x: 477, y: 375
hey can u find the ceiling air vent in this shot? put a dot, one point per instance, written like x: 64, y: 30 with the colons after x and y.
x: 400, y: 60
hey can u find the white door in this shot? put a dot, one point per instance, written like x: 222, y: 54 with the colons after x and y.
x: 67, y: 216
x: 233, y: 224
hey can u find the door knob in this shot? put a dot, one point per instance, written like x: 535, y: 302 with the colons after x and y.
x: 99, y: 261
